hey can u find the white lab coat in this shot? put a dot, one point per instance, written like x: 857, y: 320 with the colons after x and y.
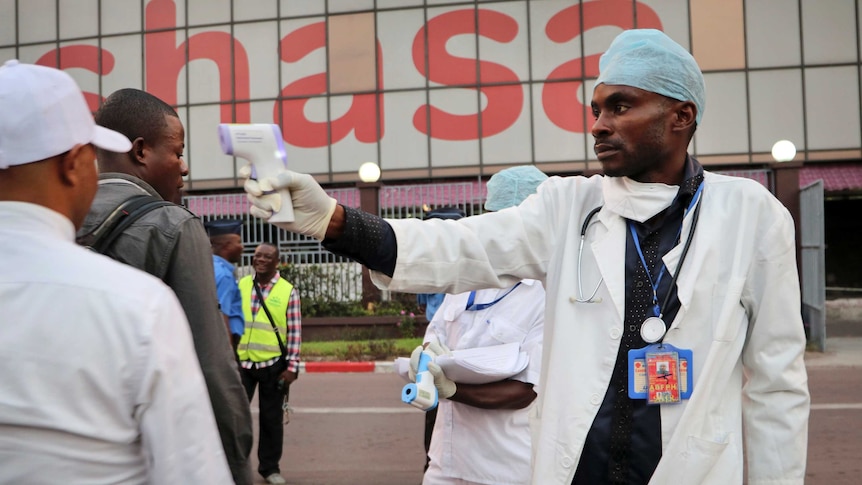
x: 487, y: 445
x: 740, y: 315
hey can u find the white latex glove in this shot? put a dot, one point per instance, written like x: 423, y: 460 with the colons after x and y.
x: 414, y: 362
x: 445, y: 387
x: 312, y: 207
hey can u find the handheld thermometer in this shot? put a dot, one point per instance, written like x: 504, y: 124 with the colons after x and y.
x: 422, y: 394
x: 261, y: 144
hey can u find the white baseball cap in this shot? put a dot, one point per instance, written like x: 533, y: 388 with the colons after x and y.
x: 43, y: 113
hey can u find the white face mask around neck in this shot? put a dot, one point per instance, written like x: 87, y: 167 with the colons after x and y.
x: 635, y: 200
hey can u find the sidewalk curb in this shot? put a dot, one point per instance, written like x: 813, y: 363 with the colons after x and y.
x: 375, y: 367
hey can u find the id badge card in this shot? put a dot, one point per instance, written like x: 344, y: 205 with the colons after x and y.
x: 660, y: 373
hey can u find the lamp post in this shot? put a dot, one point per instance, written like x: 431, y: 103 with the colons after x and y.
x: 369, y: 201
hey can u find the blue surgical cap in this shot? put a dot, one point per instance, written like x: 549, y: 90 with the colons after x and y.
x: 510, y: 187
x: 648, y: 59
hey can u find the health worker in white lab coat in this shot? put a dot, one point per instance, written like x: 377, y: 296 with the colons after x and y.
x: 673, y: 344
x: 482, y: 433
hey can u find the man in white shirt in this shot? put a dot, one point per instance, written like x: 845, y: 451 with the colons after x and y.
x: 482, y: 434
x: 101, y: 384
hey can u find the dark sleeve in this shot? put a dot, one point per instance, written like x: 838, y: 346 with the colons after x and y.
x: 190, y: 274
x: 368, y: 240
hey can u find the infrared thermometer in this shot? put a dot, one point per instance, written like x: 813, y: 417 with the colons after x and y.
x: 261, y: 144
x: 422, y: 394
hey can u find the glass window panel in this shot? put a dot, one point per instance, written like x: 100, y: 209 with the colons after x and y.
x: 775, y: 108
x: 311, y: 123
x: 254, y: 10
x: 396, y: 31
x: 832, y: 107
x: 82, y: 66
x: 505, y: 21
x: 7, y: 22
x: 209, y: 11
x: 32, y: 53
x: 829, y: 32
x: 203, y: 153
x: 303, y: 53
x: 554, y: 41
x: 403, y: 145
x: 168, y: 14
x: 128, y: 68
x: 7, y: 53
x: 347, y: 116
x: 513, y: 143
x: 205, y: 73
x: 724, y: 127
x: 458, y: 119
x: 352, y: 53
x: 292, y: 8
x: 78, y: 18
x: 772, y: 27
x: 37, y: 21
x: 551, y: 141
x: 438, y: 2
x: 452, y: 46
x: 259, y: 40
x: 262, y: 112
x: 672, y: 18
x: 381, y: 4
x: 120, y: 16
x: 598, y: 33
x: 718, y: 39
x: 336, y: 6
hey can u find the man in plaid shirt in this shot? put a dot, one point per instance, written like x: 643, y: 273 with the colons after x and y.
x: 269, y: 351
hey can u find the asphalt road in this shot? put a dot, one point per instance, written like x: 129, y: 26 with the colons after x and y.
x: 352, y: 429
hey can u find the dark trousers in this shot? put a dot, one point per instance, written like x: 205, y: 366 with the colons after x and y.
x: 271, y: 418
x: 430, y: 418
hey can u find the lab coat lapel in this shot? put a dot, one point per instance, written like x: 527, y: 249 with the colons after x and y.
x: 609, y: 249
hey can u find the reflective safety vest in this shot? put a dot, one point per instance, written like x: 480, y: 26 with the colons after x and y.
x: 258, y: 342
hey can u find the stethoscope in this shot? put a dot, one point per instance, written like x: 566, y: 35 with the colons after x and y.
x: 592, y: 298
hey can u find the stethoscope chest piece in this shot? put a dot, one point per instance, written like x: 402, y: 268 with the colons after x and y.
x: 652, y: 330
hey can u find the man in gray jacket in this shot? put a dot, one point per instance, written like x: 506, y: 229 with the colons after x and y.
x: 170, y: 243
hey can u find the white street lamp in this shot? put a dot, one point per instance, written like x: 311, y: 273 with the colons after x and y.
x: 369, y: 172
x: 783, y: 151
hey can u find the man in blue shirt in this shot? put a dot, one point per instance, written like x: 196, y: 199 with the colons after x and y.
x: 226, y: 239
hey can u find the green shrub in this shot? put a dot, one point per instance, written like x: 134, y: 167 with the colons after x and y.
x: 381, y: 349
x: 322, y: 291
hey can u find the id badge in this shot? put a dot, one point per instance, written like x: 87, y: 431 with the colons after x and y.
x: 660, y: 373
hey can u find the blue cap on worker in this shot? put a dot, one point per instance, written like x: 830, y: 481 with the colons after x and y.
x: 220, y: 227
x: 509, y: 187
x: 650, y: 60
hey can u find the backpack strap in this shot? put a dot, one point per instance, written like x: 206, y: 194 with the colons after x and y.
x: 102, y: 237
